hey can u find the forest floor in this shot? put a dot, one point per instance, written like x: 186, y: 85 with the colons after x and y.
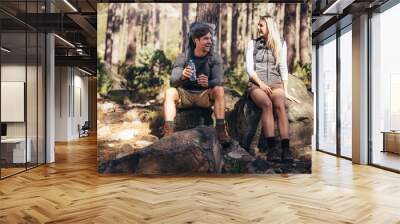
x: 122, y: 129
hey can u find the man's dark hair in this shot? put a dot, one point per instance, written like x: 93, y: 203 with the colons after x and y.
x: 197, y: 30
x: 201, y: 31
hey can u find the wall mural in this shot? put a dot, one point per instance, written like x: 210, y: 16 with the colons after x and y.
x: 195, y: 88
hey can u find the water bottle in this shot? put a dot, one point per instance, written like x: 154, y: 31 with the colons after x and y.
x: 193, y: 67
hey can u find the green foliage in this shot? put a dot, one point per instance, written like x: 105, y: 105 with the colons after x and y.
x: 103, y: 80
x: 150, y: 72
x: 303, y: 71
x: 236, y: 78
x: 171, y: 53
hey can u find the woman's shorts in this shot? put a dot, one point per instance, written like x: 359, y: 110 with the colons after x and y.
x: 252, y: 86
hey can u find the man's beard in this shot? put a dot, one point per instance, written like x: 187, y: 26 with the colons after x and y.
x: 207, y: 48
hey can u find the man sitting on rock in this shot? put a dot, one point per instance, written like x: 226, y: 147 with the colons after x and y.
x: 196, y: 80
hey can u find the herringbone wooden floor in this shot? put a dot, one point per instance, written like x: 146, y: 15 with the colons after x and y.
x: 70, y: 191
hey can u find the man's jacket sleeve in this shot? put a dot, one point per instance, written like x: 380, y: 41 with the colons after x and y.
x: 217, y: 72
x: 175, y: 80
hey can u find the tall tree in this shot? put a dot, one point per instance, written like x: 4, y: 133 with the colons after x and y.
x: 156, y: 24
x: 248, y: 20
x: 138, y: 23
x: 234, y: 47
x: 289, y: 33
x: 185, y: 25
x: 116, y: 28
x: 114, y: 21
x: 297, y: 35
x: 164, y: 34
x: 146, y: 26
x: 206, y: 12
x: 241, y: 32
x: 280, y: 17
x: 151, y: 24
x: 109, y: 32
x: 224, y: 32
x: 131, y: 21
x: 254, y: 20
x: 305, y: 44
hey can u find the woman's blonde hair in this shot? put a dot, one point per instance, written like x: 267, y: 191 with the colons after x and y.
x: 273, y: 40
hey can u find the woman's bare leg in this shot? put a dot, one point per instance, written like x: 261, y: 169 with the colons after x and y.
x: 278, y: 100
x: 262, y: 100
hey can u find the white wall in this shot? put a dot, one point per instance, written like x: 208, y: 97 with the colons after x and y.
x: 314, y: 91
x: 16, y: 73
x: 33, y: 127
x: 61, y: 103
x: 71, y: 87
x: 10, y: 73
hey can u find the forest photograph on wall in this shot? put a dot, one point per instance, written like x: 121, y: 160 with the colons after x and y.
x: 204, y: 88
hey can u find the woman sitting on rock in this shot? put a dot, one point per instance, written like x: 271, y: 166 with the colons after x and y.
x: 267, y: 69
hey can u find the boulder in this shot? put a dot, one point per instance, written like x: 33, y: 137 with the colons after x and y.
x: 231, y: 98
x: 189, y: 118
x: 197, y: 151
x: 185, y: 119
x: 244, y: 121
x: 190, y: 151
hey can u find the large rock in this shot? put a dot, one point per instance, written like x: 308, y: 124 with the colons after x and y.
x: 197, y: 151
x: 244, y: 121
x: 231, y: 98
x: 189, y: 118
x: 190, y: 151
x: 185, y: 119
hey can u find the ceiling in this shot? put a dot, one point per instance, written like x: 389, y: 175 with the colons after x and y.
x: 74, y: 22
x: 330, y: 15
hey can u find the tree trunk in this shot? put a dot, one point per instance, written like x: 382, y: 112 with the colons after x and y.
x: 138, y: 23
x: 248, y: 17
x: 254, y: 20
x: 116, y: 28
x: 146, y: 27
x: 185, y: 25
x: 109, y: 37
x: 164, y: 34
x: 224, y: 32
x: 206, y: 12
x: 209, y: 13
x: 280, y: 15
x: 297, y: 35
x: 157, y: 26
x: 151, y: 23
x: 305, y: 44
x: 241, y: 33
x: 143, y: 29
x: 289, y: 33
x: 131, y: 49
x: 234, y: 48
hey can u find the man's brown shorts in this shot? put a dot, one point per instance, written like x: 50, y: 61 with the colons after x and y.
x: 191, y: 99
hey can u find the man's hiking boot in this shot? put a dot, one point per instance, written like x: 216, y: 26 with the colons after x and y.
x: 222, y: 135
x: 168, y: 129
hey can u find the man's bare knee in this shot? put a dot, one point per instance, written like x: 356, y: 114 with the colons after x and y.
x: 218, y: 91
x: 171, y: 94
